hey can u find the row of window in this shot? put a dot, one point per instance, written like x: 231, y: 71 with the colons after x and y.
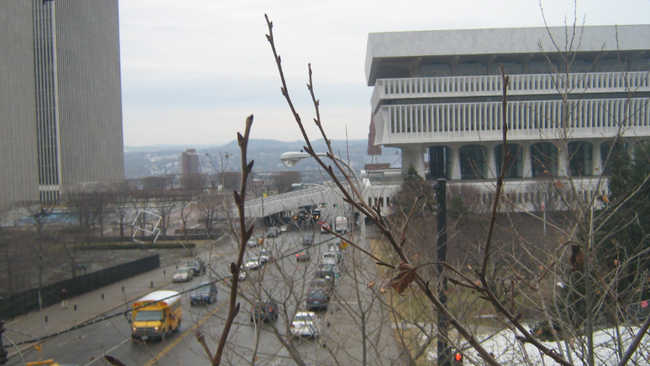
x: 543, y: 160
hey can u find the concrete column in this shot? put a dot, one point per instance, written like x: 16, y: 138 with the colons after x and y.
x: 491, y: 162
x: 455, y: 163
x: 595, y: 157
x: 526, y: 165
x: 562, y: 159
x: 413, y: 155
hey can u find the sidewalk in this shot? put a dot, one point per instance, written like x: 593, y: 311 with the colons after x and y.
x: 81, y: 309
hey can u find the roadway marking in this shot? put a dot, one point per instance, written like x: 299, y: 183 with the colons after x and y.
x: 105, y: 353
x: 187, y: 332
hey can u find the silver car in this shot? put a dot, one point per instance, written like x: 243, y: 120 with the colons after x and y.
x: 184, y: 274
x: 305, y: 324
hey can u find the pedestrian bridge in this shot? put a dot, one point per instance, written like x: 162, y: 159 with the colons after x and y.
x: 288, y: 203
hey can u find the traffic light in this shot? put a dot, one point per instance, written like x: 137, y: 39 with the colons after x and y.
x: 336, y: 205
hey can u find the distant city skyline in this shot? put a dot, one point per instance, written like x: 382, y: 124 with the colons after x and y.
x: 193, y: 71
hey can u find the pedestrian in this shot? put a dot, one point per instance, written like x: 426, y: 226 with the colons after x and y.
x: 64, y: 299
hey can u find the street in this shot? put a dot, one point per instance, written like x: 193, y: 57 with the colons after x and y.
x: 351, y: 309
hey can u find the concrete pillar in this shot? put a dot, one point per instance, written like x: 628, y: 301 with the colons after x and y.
x: 491, y: 162
x: 562, y: 159
x: 455, y: 163
x: 595, y: 157
x: 413, y: 155
x: 526, y: 165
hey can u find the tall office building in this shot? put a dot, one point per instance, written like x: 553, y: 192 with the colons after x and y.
x: 437, y: 97
x: 190, y: 163
x: 60, y: 96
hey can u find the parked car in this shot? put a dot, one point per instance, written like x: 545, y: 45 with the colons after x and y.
x: 306, y: 324
x: 329, y: 272
x: 243, y: 274
x: 204, y: 293
x: 317, y: 300
x: 254, y: 263
x: 266, y: 256
x: 284, y: 228
x: 252, y: 242
x: 183, y: 274
x: 327, y: 261
x: 333, y: 256
x: 321, y: 285
x: 303, y: 257
x: 198, y: 266
x: 308, y: 240
x: 264, y: 311
x: 273, y: 232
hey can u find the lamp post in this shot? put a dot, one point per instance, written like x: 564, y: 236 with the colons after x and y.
x: 290, y: 159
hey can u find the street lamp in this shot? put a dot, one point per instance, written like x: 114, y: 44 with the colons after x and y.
x: 290, y: 159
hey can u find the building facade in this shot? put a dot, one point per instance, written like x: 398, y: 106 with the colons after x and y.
x: 64, y: 126
x: 190, y: 166
x: 437, y: 96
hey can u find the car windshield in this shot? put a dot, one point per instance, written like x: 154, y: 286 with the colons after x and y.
x: 205, y: 288
x: 316, y: 295
x: 148, y: 315
x: 254, y: 259
x: 302, y: 319
x: 183, y: 270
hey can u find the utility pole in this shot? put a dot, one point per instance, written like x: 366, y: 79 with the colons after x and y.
x: 444, y: 352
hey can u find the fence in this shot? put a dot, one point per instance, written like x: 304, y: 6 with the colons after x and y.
x: 25, y: 301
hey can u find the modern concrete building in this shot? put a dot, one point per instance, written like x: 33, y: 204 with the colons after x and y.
x: 437, y: 97
x: 60, y: 96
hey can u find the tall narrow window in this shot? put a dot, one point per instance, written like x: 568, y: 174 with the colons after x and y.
x: 514, y: 168
x: 439, y: 162
x: 472, y: 162
x: 543, y: 158
x: 580, y: 158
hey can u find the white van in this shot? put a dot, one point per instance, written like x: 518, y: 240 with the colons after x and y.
x: 341, y: 224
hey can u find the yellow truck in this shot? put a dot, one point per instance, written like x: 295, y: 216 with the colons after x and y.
x: 156, y: 315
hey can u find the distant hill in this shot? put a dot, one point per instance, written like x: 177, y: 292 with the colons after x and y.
x: 148, y: 161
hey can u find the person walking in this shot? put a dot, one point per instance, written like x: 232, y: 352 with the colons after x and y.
x: 64, y: 299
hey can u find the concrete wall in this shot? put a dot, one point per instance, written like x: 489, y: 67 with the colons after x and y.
x: 18, y: 159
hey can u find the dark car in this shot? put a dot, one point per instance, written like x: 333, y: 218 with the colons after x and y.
x: 273, y: 232
x: 264, y: 311
x: 330, y: 273
x: 303, y: 257
x: 198, y: 267
x: 317, y: 300
x: 320, y: 285
x: 204, y: 293
x: 308, y: 240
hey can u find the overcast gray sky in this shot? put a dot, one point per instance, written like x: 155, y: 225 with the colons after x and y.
x: 193, y: 70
